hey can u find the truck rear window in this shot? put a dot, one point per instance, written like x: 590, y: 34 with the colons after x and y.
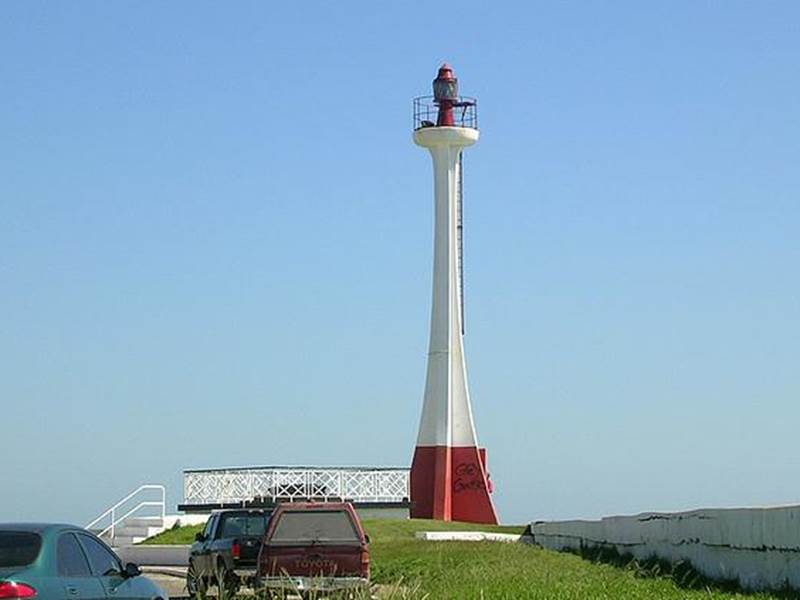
x: 18, y: 548
x: 315, y: 526
x: 244, y: 525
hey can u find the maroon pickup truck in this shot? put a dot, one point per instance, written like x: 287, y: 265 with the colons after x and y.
x: 314, y: 547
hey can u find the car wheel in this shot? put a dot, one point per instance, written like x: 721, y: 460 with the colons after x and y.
x: 195, y: 582
x: 227, y: 582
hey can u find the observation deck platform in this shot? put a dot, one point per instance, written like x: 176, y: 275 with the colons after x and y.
x: 374, y: 491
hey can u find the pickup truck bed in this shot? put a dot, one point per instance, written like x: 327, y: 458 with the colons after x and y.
x: 314, y: 546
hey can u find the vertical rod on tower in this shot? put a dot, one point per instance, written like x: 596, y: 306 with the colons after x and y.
x: 460, y: 225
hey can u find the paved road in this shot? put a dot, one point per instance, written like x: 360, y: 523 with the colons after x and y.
x: 171, y: 579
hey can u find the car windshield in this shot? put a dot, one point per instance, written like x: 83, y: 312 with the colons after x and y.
x: 252, y: 525
x: 315, y: 526
x: 18, y: 548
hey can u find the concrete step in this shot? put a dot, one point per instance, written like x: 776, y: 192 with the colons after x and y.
x: 134, y: 530
x: 131, y: 530
x: 144, y: 521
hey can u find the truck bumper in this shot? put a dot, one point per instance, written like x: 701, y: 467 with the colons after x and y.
x: 304, y: 584
x: 245, y: 573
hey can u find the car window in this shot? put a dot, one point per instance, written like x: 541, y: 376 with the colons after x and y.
x: 234, y: 525
x: 103, y: 561
x: 209, y: 526
x: 70, y: 557
x: 315, y: 526
x: 19, y: 548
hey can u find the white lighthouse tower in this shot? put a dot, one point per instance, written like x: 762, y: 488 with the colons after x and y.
x: 448, y: 474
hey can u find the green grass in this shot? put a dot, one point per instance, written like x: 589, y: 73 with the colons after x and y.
x: 500, y: 571
x: 484, y: 570
x: 177, y: 536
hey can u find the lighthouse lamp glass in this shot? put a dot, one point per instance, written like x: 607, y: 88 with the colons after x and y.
x: 445, y: 89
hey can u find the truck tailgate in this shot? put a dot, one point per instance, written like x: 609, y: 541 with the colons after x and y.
x: 324, y: 560
x: 248, y: 550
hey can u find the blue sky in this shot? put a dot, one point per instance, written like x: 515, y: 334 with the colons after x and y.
x: 216, y: 246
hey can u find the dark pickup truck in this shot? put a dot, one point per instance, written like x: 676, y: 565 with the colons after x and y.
x: 314, y: 547
x: 225, y: 554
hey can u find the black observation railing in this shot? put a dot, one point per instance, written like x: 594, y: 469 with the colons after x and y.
x: 426, y: 111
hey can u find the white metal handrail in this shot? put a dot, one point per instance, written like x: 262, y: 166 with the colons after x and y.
x: 113, y: 510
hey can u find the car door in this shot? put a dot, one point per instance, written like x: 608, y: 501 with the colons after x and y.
x: 74, y: 571
x: 202, y: 552
x: 107, y: 567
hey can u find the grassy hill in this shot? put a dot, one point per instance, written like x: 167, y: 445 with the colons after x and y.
x: 492, y: 570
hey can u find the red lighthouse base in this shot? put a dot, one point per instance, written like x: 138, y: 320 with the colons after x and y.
x: 451, y: 484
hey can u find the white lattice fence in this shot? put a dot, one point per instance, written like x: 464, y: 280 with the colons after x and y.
x: 227, y: 486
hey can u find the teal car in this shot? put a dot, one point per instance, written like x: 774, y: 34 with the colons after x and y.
x: 63, y: 562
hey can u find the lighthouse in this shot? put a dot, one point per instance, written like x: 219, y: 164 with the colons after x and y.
x: 449, y: 479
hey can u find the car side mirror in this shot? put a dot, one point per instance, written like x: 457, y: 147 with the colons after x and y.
x: 199, y: 537
x: 366, y: 538
x: 132, y: 570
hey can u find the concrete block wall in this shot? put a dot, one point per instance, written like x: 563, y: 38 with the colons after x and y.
x: 162, y: 556
x: 183, y: 520
x: 759, y: 547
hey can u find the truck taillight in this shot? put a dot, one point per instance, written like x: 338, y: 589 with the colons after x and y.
x: 236, y: 550
x: 9, y: 589
x: 365, y: 563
